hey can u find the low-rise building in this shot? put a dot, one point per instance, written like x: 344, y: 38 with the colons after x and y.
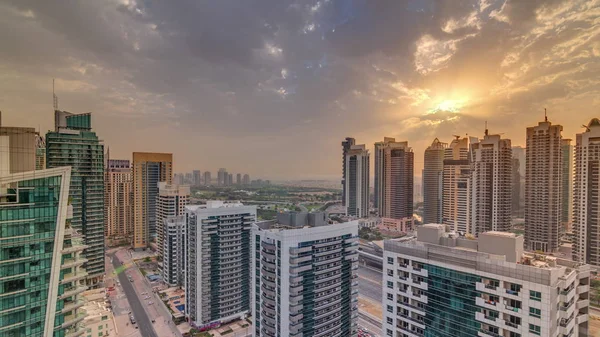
x: 443, y: 284
x: 99, y: 320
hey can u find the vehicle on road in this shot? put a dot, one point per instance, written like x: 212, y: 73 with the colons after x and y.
x: 131, y: 319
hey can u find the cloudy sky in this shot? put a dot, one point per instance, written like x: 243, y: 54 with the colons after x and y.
x: 271, y: 87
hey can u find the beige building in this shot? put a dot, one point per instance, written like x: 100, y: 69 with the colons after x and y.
x: 491, y: 184
x: 456, y: 192
x: 567, y: 184
x: 172, y: 200
x: 99, y: 320
x: 543, y: 187
x: 119, y: 199
x: 148, y: 170
x: 432, y: 182
x: 394, y: 170
x: 356, y: 181
x: 22, y: 148
x: 586, y: 196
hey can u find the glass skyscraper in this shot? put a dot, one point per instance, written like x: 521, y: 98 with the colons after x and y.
x: 73, y: 143
x: 40, y: 262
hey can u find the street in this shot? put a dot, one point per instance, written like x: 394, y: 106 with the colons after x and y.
x: 140, y: 315
x: 369, y: 283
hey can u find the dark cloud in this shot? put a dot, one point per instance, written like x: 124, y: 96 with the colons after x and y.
x: 277, y: 75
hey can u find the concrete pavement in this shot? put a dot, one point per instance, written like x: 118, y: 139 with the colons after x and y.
x: 369, y: 283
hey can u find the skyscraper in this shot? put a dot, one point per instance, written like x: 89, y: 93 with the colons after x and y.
x: 543, y: 187
x: 442, y: 284
x: 119, y: 198
x: 346, y: 144
x: 586, y: 195
x: 357, y: 181
x: 222, y: 176
x: 432, y: 182
x: 217, y: 272
x: 238, y: 179
x: 567, y: 183
x: 207, y: 178
x: 73, y: 143
x: 171, y: 203
x: 491, y: 184
x: 229, y: 179
x: 394, y: 171
x: 456, y: 194
x: 174, y: 250
x: 148, y: 170
x: 40, y: 255
x: 304, y: 277
x: 197, y: 178
x: 40, y: 152
x: 246, y: 179
x: 518, y: 209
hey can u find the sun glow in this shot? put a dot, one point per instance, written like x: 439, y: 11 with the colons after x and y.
x: 449, y: 105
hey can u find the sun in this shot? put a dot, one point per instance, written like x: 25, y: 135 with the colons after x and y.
x: 448, y: 105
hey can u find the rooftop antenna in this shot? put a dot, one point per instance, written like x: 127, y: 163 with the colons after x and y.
x: 545, y: 115
x: 54, y: 97
x: 486, y: 129
x: 586, y: 127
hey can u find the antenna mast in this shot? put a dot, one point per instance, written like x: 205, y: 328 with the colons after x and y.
x: 486, y: 129
x: 545, y: 115
x: 54, y: 97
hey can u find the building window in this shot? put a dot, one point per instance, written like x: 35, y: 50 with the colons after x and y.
x: 390, y: 272
x: 535, y: 312
x: 390, y: 309
x: 514, y: 334
x: 390, y: 260
x: 390, y: 297
x: 390, y: 284
x: 534, y: 329
x: 389, y: 332
x: 390, y: 320
x: 535, y: 295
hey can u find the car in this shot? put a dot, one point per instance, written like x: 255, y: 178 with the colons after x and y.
x: 131, y: 319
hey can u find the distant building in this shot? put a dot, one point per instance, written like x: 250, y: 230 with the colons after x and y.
x: 394, y: 174
x: 567, y: 182
x: 118, y: 189
x: 456, y: 192
x: 518, y: 202
x: 304, y: 278
x: 207, y: 178
x: 217, y: 272
x: 246, y: 180
x: 74, y: 143
x: 372, y: 222
x: 171, y: 202
x: 432, y: 182
x: 229, y: 179
x: 491, y: 184
x: 357, y: 181
x: 222, y: 177
x: 197, y: 178
x: 442, y: 284
x: 543, y: 187
x: 238, y: 179
x: 148, y: 170
x: 586, y: 195
x: 346, y: 145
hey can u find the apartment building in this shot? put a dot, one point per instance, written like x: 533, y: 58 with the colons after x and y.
x: 543, y: 187
x: 118, y: 188
x: 74, y: 143
x: 456, y: 192
x: 304, y: 277
x: 357, y: 181
x: 443, y: 284
x: 432, y: 181
x: 171, y: 203
x: 174, y: 252
x: 217, y: 272
x: 346, y: 144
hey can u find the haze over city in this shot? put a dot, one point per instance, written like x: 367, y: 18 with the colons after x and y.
x: 275, y: 85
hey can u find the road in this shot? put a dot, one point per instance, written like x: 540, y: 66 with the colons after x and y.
x: 372, y: 325
x: 139, y: 313
x: 369, y: 284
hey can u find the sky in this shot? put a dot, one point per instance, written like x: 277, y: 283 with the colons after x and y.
x: 272, y: 87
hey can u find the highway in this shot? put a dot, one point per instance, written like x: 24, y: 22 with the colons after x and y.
x: 369, y: 284
x: 140, y: 315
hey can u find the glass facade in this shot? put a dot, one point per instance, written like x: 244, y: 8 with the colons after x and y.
x: 456, y: 292
x: 83, y: 151
x: 29, y: 212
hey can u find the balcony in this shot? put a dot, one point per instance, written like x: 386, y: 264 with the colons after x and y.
x: 72, y: 277
x: 583, y: 289
x: 70, y: 263
x: 72, y: 319
x: 486, y: 303
x: 72, y: 306
x: 481, y: 317
x: 582, y: 304
x: 487, y: 333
